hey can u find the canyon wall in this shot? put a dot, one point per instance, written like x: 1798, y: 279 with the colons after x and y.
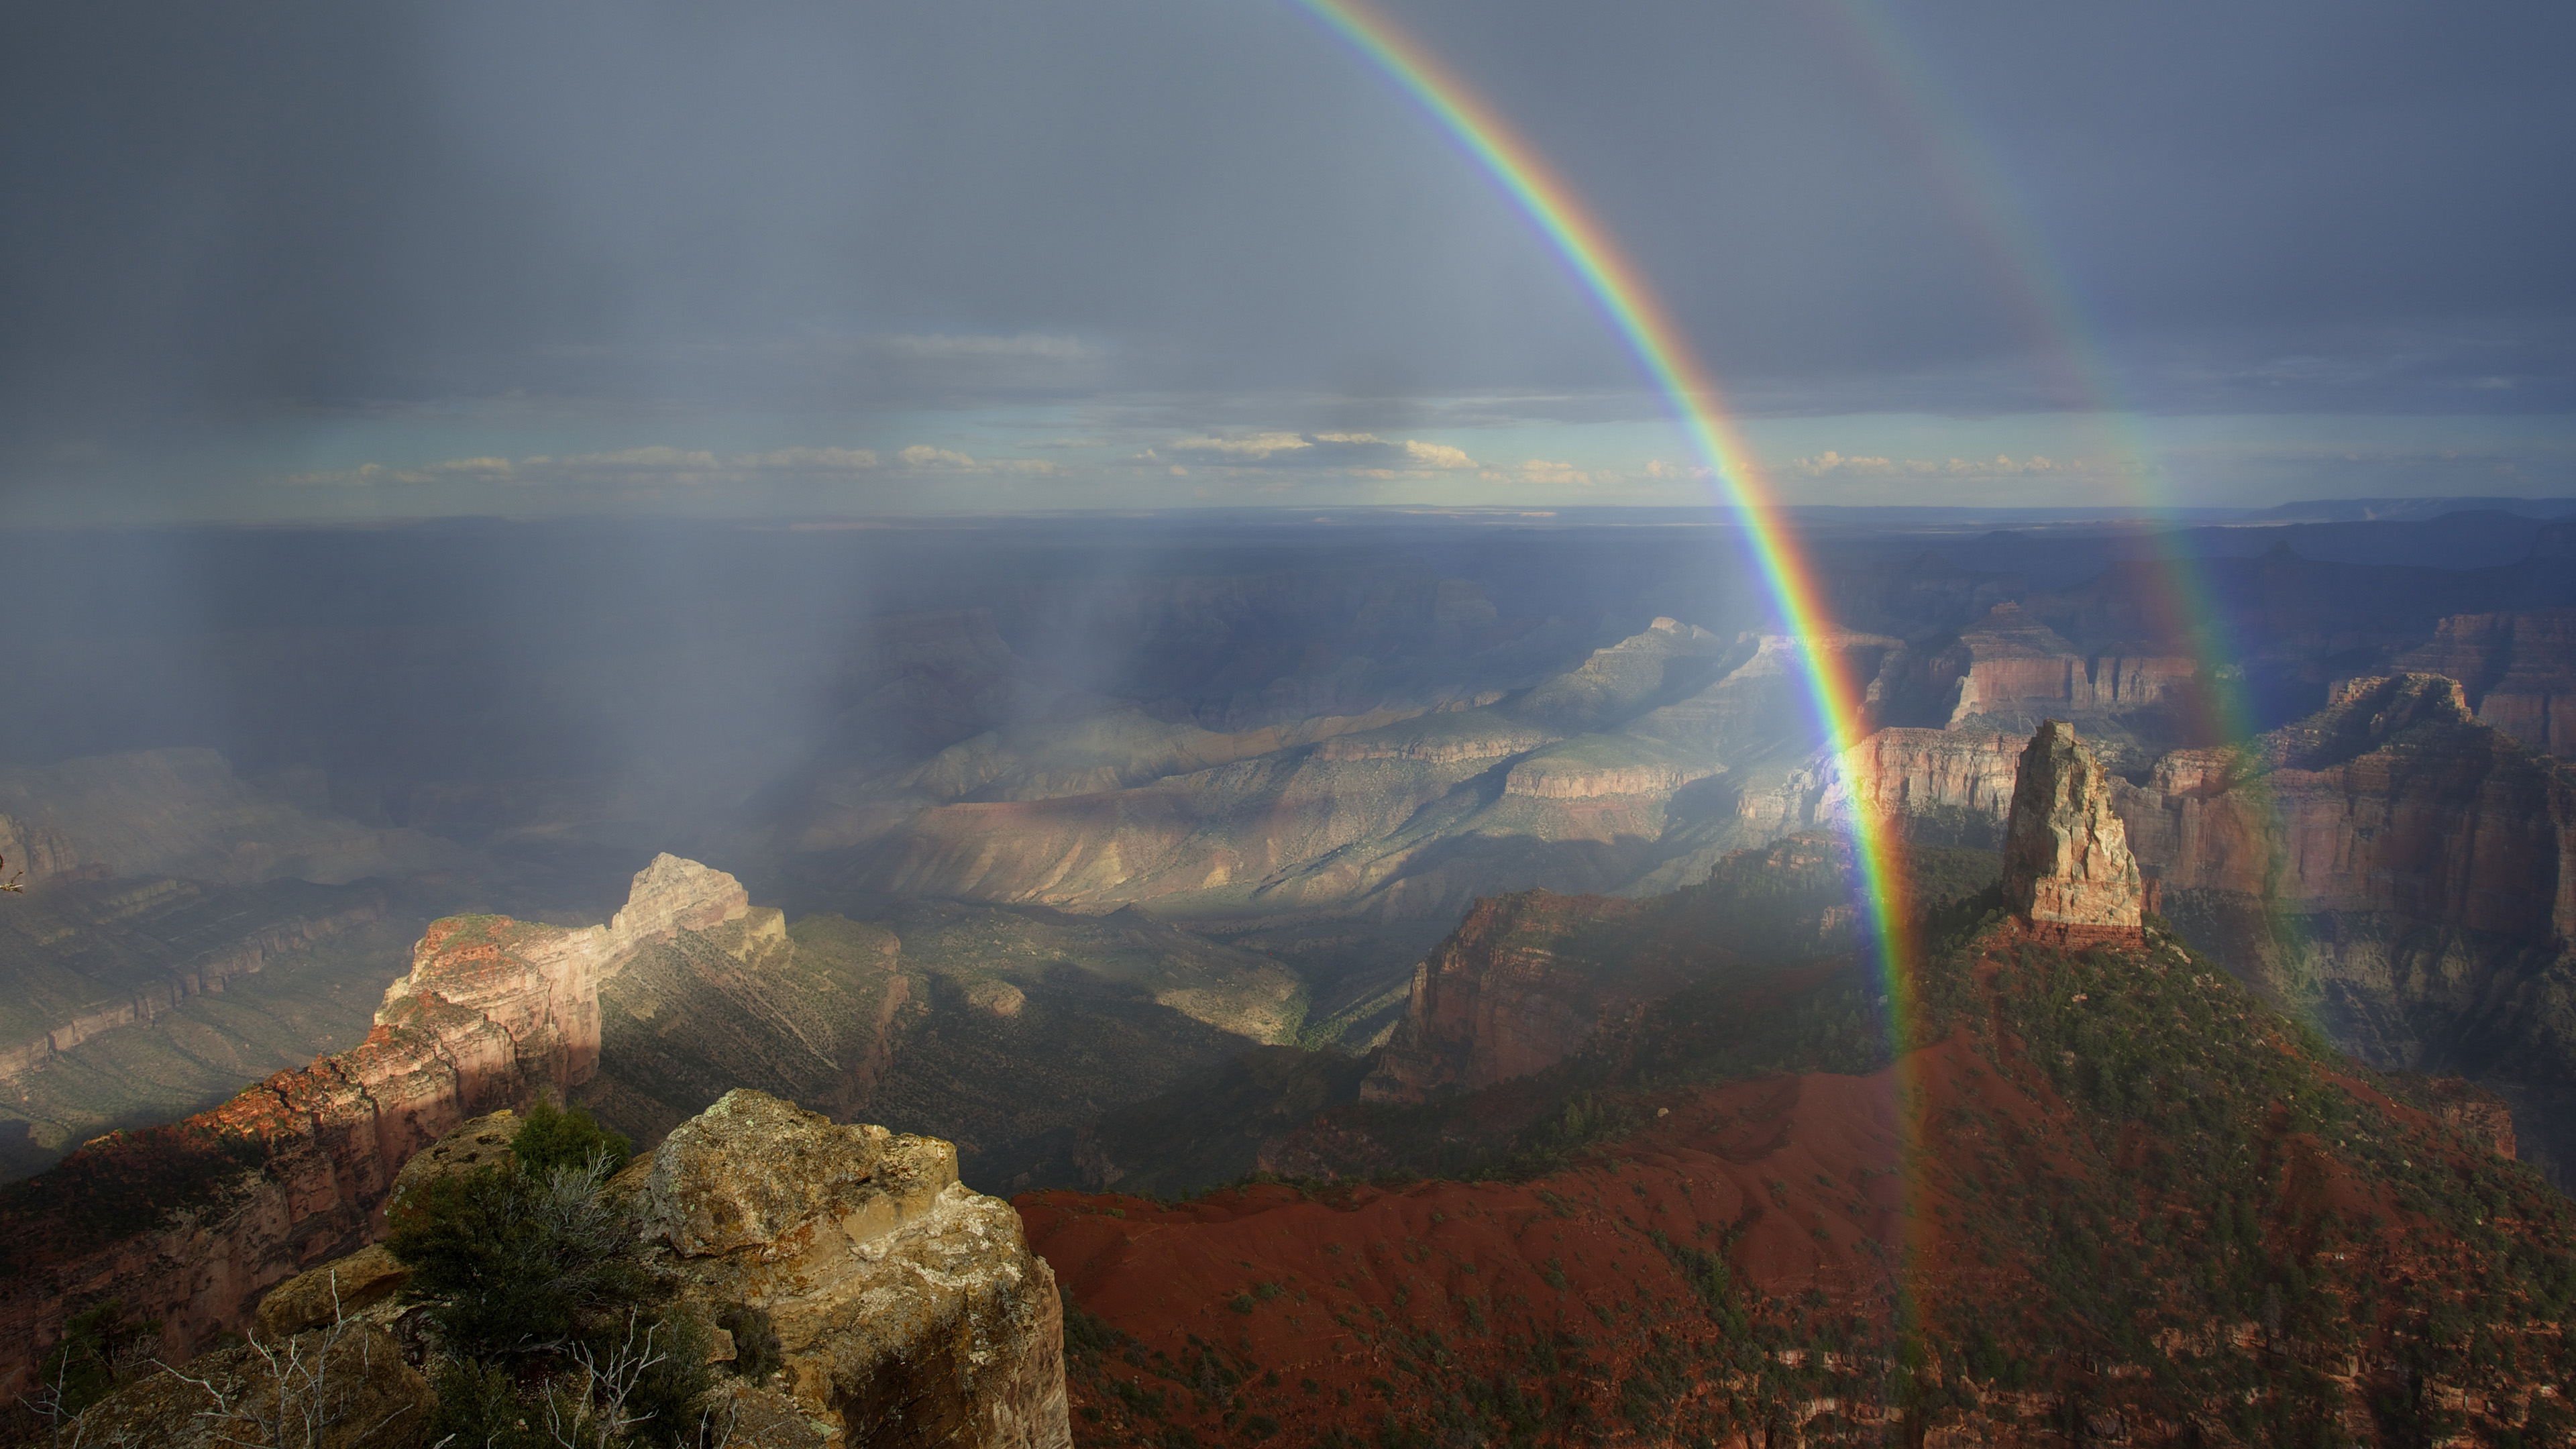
x: 1495, y: 1001
x: 2518, y: 671
x: 2399, y: 873
x: 2010, y: 664
x: 493, y: 1013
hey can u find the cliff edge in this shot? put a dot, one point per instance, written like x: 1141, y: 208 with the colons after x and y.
x: 190, y: 1223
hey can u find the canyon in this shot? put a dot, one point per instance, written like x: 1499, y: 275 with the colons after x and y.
x: 297, y: 1169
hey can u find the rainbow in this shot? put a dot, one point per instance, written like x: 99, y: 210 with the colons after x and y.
x: 1947, y: 144
x: 1699, y: 405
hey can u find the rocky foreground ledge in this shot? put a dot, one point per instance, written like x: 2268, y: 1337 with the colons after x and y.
x: 908, y: 1309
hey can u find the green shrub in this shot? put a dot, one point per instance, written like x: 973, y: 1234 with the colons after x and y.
x: 549, y: 1138
x: 519, y: 1262
x: 100, y: 1347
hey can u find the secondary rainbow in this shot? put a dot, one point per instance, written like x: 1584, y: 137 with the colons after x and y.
x: 1698, y: 404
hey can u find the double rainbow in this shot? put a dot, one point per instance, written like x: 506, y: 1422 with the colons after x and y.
x: 1699, y: 405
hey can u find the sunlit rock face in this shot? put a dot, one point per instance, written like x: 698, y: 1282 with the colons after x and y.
x: 493, y: 1014
x: 2398, y: 872
x: 2517, y: 670
x: 2009, y: 662
x: 909, y: 1309
x: 2067, y: 864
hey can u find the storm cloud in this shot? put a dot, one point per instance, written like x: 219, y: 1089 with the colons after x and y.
x: 314, y: 239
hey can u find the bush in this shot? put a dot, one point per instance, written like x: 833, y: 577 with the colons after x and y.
x: 520, y: 1262
x: 549, y: 1138
x: 100, y: 1348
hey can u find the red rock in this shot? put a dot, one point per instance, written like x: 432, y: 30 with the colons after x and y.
x: 2454, y: 824
x: 2067, y: 865
x: 2010, y: 663
x: 1492, y: 1002
x: 493, y: 1014
x: 2517, y: 670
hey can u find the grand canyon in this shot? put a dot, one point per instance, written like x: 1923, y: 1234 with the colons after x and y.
x: 1344, y: 905
x: 1320, y: 724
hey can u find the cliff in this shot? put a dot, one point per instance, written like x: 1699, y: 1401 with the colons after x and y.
x: 2067, y: 866
x: 2518, y: 671
x: 2397, y: 870
x: 1532, y: 979
x: 2009, y: 665
x: 299, y: 1168
x: 1495, y: 1001
x: 1951, y: 781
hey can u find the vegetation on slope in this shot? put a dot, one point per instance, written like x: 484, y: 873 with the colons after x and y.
x: 2112, y: 1194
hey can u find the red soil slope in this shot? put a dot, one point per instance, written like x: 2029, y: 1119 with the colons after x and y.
x: 1761, y: 1263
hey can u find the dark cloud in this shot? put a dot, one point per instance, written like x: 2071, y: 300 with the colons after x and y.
x: 223, y: 211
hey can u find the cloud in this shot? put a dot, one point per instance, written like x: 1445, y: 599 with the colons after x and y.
x: 1022, y: 347
x: 1363, y: 455
x: 656, y: 464
x: 1540, y: 470
x: 1831, y: 464
x: 925, y: 458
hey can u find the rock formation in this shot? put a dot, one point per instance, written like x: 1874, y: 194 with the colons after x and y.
x: 1494, y: 1002
x: 2067, y: 866
x: 1916, y: 777
x: 493, y: 1013
x: 2009, y: 665
x: 2398, y: 871
x: 909, y: 1309
x: 2518, y: 671
x: 1530, y: 979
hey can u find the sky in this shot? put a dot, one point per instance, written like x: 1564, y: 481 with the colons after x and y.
x: 295, y: 261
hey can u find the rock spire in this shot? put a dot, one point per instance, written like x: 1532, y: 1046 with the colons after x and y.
x: 2067, y: 865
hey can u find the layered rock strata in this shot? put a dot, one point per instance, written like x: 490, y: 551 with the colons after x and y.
x: 2010, y: 664
x: 1916, y: 778
x: 1495, y: 1002
x: 2518, y: 671
x: 909, y: 1309
x: 494, y: 1013
x: 2399, y: 872
x: 2068, y: 870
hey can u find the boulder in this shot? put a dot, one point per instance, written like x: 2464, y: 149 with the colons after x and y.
x: 318, y: 1297
x: 343, y: 1389
x: 909, y: 1309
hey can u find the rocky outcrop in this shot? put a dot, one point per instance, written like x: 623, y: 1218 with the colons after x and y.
x: 493, y: 1013
x: 2009, y: 665
x: 2393, y: 800
x: 909, y: 1309
x: 2397, y: 871
x: 1913, y: 777
x: 1530, y: 979
x: 2517, y: 670
x: 2068, y: 871
x: 1495, y: 1002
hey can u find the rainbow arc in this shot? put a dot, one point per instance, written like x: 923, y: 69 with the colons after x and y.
x: 1662, y: 349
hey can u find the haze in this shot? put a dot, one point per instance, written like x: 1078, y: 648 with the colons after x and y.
x: 315, y: 262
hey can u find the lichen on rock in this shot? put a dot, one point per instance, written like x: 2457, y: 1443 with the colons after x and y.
x: 908, y: 1308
